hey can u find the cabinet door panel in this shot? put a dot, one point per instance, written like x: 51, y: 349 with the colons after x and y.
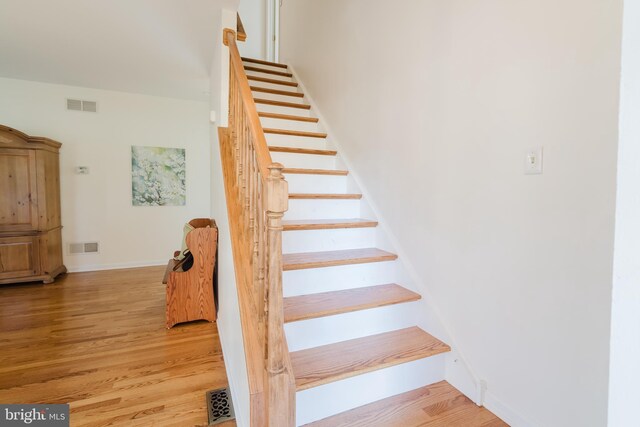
x: 18, y: 210
x: 19, y: 257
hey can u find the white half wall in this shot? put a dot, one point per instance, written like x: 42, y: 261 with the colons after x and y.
x: 625, y: 309
x: 435, y: 105
x: 97, y: 207
x: 229, y: 322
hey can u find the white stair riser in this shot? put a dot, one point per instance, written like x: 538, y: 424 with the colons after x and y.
x: 302, y: 183
x: 347, y: 326
x: 276, y: 97
x: 269, y: 76
x: 266, y: 67
x: 289, y: 124
x: 328, y: 240
x: 308, y: 161
x: 297, y: 141
x: 292, y: 111
x: 313, y: 281
x: 320, y: 402
x: 326, y: 209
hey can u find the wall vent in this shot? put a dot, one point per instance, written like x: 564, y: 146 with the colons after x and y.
x: 80, y: 105
x: 83, y: 248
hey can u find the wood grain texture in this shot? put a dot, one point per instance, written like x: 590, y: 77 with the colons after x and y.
x: 19, y: 257
x: 242, y: 34
x: 320, y: 196
x: 277, y: 92
x: 29, y: 208
x: 295, y: 133
x: 246, y: 107
x: 98, y: 342
x: 267, y: 71
x: 322, y: 365
x: 437, y: 405
x: 272, y: 81
x: 262, y: 62
x: 327, y: 224
x: 329, y: 303
x: 282, y: 103
x: 299, y: 261
x: 18, y: 190
x: 190, y: 293
x: 303, y: 171
x: 252, y: 338
x: 294, y: 150
x: 256, y: 192
x: 287, y: 117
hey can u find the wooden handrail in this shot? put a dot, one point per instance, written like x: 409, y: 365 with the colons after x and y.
x: 242, y: 34
x: 237, y: 71
x: 257, y: 198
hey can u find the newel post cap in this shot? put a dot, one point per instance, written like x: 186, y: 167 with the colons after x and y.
x: 277, y: 190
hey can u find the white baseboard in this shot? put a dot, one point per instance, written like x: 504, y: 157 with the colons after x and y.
x: 505, y: 412
x: 116, y: 266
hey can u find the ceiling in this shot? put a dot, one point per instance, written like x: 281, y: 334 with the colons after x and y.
x: 155, y: 47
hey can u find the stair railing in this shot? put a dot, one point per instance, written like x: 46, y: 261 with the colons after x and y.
x: 257, y: 197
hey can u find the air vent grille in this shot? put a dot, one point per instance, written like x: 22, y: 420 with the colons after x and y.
x: 83, y: 248
x: 90, y: 106
x: 74, y: 104
x: 219, y: 406
x: 80, y: 105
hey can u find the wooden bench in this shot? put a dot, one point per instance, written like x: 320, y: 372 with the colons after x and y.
x: 190, y: 293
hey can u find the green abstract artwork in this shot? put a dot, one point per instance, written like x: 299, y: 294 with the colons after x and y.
x: 158, y: 176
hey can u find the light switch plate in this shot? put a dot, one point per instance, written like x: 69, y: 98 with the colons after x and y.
x: 533, y: 161
x: 82, y: 170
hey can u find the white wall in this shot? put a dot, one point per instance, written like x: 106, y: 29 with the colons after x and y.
x: 625, y: 316
x: 435, y: 104
x: 254, y: 18
x: 97, y: 207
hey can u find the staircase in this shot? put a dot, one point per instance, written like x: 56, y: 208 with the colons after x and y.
x: 357, y: 356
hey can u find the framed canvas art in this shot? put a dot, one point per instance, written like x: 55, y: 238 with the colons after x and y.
x: 158, y: 176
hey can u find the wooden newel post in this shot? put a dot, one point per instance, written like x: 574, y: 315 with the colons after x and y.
x: 281, y: 396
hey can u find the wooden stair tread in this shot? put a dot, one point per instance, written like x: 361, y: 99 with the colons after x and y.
x: 295, y: 133
x: 267, y: 71
x: 303, y: 171
x: 336, y: 196
x: 296, y: 150
x: 438, y: 404
x: 276, y: 91
x: 329, y: 303
x: 262, y: 62
x: 272, y: 81
x: 322, y: 365
x: 325, y: 224
x: 303, y: 260
x: 282, y: 103
x: 287, y: 117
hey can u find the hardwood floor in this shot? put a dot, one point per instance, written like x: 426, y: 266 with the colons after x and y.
x: 98, y: 341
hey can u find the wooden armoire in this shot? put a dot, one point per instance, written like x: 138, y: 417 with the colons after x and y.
x: 30, y: 226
